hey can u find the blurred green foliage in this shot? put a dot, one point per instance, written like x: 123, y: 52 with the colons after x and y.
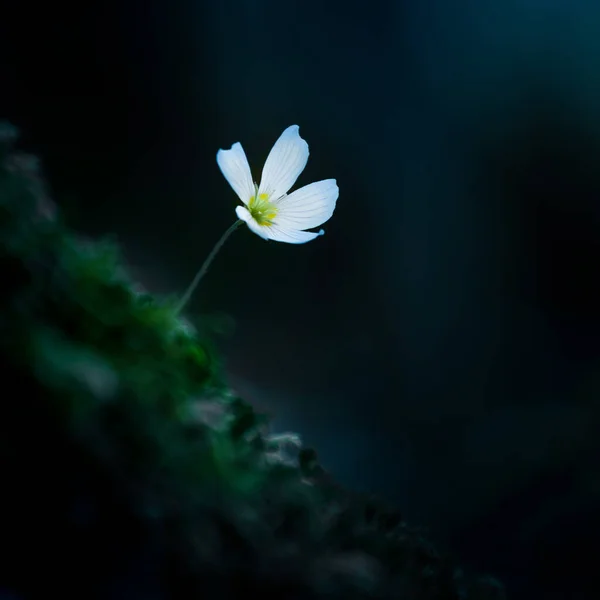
x: 128, y: 467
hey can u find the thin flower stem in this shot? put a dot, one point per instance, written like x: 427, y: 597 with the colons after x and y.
x: 202, y: 271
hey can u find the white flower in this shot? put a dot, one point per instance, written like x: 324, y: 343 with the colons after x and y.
x: 269, y: 210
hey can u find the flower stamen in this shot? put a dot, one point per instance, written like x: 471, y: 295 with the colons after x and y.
x: 262, y: 210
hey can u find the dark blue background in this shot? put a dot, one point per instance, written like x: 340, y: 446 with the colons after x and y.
x: 439, y: 346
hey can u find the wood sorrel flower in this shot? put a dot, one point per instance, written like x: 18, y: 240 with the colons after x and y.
x: 269, y: 210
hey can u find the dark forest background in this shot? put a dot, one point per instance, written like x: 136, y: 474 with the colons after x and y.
x: 439, y: 345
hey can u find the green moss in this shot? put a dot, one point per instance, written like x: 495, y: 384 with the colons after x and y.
x: 119, y: 434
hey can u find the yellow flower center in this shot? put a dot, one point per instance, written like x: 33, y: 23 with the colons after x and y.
x: 262, y: 211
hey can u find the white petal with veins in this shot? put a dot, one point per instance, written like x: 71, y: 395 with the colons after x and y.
x: 291, y: 236
x: 235, y: 168
x: 285, y: 162
x: 310, y: 206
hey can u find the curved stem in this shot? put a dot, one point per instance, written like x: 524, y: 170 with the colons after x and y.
x: 202, y: 271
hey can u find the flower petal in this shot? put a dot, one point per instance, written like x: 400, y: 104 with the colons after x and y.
x: 244, y: 214
x: 235, y: 168
x: 310, y: 206
x: 284, y: 164
x: 291, y: 236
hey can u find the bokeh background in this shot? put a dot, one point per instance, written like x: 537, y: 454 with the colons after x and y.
x: 439, y: 345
